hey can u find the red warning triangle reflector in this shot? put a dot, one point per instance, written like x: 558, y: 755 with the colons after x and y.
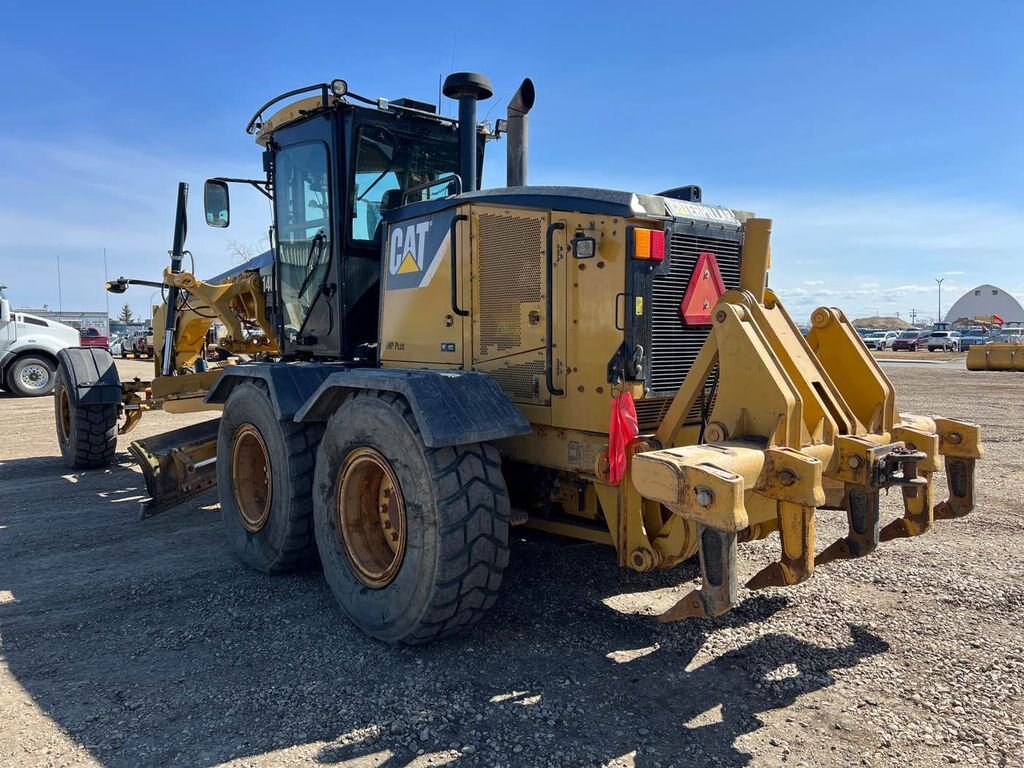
x: 703, y: 292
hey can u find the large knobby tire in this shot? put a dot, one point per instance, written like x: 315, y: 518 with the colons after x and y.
x: 31, y: 376
x: 452, y: 513
x: 86, y: 434
x: 265, y: 479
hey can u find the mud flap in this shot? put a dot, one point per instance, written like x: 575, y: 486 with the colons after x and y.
x: 178, y: 465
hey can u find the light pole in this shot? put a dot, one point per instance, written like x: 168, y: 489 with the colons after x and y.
x: 939, y: 280
x: 106, y: 293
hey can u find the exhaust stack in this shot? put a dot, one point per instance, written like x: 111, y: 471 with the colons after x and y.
x: 468, y: 88
x: 519, y: 134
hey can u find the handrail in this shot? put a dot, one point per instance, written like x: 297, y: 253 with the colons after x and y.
x: 428, y: 184
x: 455, y: 275
x: 549, y: 272
x: 322, y: 87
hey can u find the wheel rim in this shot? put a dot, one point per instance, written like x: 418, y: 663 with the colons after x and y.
x: 34, y: 377
x: 370, y: 518
x: 250, y: 474
x: 65, y: 416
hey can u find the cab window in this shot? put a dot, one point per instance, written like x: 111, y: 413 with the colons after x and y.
x: 388, y: 163
x: 302, y: 202
x: 376, y: 174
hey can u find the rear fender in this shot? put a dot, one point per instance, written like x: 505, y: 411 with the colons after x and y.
x: 289, y: 384
x: 450, y: 407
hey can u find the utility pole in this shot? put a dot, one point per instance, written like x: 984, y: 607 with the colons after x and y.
x: 106, y: 293
x: 939, y: 280
x: 60, y: 291
x: 913, y: 317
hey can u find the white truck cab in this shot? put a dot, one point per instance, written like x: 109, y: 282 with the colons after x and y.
x: 28, y: 350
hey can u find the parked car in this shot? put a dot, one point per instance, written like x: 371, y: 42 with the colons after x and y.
x: 880, y: 340
x: 974, y: 337
x: 117, y: 344
x: 90, y: 337
x: 911, y: 340
x: 138, y: 343
x: 1009, y: 336
x: 947, y: 341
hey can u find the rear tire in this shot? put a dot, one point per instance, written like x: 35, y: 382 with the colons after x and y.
x: 454, y: 519
x: 86, y: 434
x: 265, y: 480
x: 31, y: 376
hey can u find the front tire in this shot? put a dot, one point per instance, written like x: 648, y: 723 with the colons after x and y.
x: 86, y: 434
x: 32, y: 376
x: 413, y: 540
x: 265, y: 481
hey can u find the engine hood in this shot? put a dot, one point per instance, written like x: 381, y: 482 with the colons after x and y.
x: 602, y: 202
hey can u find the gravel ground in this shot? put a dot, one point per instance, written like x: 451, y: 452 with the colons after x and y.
x: 130, y: 643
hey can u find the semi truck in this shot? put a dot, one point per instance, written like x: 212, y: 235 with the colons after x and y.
x: 28, y: 350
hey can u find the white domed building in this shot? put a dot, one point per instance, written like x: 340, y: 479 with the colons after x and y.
x: 983, y: 302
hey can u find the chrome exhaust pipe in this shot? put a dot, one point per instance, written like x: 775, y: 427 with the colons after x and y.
x: 518, y: 137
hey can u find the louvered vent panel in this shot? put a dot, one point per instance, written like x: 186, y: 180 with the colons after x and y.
x: 510, y: 251
x: 522, y: 382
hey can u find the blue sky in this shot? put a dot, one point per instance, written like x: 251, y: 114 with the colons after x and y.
x: 884, y: 139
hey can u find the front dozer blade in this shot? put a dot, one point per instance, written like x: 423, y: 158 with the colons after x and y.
x: 177, y: 465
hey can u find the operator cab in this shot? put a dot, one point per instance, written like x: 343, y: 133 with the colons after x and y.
x: 334, y: 169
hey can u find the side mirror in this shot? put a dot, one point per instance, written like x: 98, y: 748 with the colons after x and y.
x: 5, y: 310
x: 215, y: 201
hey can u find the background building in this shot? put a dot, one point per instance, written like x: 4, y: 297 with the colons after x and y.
x: 983, y: 302
x: 80, y: 320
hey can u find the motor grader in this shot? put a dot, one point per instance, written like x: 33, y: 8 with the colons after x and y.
x: 420, y: 364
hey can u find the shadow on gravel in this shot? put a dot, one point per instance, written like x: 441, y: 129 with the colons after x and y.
x: 149, y: 644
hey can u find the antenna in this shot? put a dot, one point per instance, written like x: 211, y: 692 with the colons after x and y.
x: 454, y: 39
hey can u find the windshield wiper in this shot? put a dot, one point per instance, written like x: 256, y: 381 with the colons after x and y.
x: 316, y: 247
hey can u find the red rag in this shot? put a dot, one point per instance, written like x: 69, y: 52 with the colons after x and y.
x: 621, y: 430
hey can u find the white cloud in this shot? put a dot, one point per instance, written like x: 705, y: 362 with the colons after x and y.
x: 75, y: 199
x: 866, y: 254
x: 880, y: 254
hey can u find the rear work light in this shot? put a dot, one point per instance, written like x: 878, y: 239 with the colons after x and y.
x: 647, y: 244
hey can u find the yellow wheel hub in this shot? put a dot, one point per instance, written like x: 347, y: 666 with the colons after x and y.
x: 250, y: 472
x: 370, y: 517
x: 65, y: 416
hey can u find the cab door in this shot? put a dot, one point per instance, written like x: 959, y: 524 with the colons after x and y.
x: 305, y: 182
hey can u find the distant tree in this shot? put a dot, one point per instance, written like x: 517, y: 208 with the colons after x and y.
x: 126, y: 314
x: 241, y: 252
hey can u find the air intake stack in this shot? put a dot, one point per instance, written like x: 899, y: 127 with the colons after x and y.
x: 468, y: 88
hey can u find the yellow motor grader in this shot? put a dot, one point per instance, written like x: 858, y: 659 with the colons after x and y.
x: 420, y: 364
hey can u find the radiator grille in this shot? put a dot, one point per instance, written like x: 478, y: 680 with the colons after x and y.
x: 511, y: 251
x: 650, y: 411
x: 674, y: 345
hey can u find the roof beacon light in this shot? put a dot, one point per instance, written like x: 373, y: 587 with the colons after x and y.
x: 339, y: 87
